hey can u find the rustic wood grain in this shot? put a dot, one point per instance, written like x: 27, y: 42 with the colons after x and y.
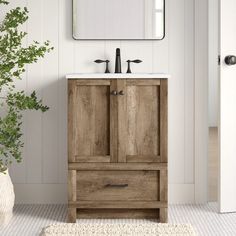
x: 102, y: 185
x: 117, y: 149
x: 117, y: 166
x: 70, y: 117
x: 93, y: 158
x: 72, y: 185
x: 71, y: 214
x: 143, y: 121
x: 143, y: 158
x: 119, y: 204
x: 164, y: 121
x: 91, y: 82
x: 145, y: 82
x: 71, y: 195
x: 121, y: 121
x: 117, y: 213
x: 89, y: 117
x: 113, y: 123
x: 92, y: 120
x: 163, y: 195
x: 163, y: 218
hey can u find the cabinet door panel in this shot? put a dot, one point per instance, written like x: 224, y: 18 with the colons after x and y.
x: 89, y: 121
x: 143, y: 122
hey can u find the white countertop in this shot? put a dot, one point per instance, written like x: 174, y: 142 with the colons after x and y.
x: 118, y: 76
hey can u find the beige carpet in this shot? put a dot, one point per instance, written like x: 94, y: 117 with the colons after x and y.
x: 134, y: 228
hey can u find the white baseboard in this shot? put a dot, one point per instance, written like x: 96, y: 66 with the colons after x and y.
x: 41, y: 193
x: 57, y: 193
x: 181, y: 194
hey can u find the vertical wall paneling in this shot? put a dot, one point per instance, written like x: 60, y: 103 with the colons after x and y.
x: 66, y: 66
x: 50, y: 20
x: 141, y: 50
x: 160, y: 51
x: 85, y: 54
x: 176, y: 91
x: 160, y: 60
x: 189, y: 91
x: 34, y: 146
x: 45, y: 151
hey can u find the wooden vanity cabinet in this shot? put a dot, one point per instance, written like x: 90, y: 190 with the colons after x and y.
x: 117, y: 148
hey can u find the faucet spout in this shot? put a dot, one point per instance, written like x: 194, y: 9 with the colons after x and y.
x: 118, y: 61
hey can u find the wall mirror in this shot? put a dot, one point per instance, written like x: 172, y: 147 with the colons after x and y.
x: 119, y: 19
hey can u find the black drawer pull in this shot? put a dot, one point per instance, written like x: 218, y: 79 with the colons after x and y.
x: 116, y: 185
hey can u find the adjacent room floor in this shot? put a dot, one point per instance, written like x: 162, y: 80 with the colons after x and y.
x: 213, y: 164
x: 28, y: 220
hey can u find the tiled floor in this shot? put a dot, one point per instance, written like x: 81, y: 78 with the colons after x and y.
x: 29, y: 220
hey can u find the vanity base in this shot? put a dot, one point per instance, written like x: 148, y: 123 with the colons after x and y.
x: 152, y: 214
x: 96, y: 194
x: 117, y: 149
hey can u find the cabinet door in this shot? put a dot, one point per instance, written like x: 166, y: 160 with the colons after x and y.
x: 89, y: 118
x: 146, y: 121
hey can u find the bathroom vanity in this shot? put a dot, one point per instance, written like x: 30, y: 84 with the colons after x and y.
x: 117, y: 146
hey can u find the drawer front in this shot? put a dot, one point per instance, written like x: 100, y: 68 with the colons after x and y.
x: 117, y: 185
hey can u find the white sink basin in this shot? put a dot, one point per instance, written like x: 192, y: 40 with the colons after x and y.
x: 118, y: 76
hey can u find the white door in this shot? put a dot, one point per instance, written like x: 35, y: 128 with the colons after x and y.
x: 227, y: 126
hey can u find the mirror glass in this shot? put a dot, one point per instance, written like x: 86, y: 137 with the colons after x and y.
x: 119, y: 19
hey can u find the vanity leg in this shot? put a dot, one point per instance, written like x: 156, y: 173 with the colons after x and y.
x: 163, y: 215
x: 71, y: 217
x: 163, y: 212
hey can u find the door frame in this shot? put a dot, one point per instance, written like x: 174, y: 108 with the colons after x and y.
x: 201, y: 101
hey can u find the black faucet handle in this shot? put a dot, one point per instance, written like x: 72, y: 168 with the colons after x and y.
x: 132, y: 61
x: 104, y: 61
x: 101, y: 61
x: 136, y: 61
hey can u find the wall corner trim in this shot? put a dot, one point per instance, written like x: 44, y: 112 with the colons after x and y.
x: 201, y: 100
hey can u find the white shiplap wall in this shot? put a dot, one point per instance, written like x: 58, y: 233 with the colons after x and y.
x: 41, y: 178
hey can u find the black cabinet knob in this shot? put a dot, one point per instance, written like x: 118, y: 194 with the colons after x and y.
x: 230, y: 60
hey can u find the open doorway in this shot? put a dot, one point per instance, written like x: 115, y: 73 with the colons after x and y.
x: 213, y: 102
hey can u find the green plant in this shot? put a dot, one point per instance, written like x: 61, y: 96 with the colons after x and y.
x: 13, y: 59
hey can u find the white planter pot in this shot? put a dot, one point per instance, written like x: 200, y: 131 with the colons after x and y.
x: 7, y: 198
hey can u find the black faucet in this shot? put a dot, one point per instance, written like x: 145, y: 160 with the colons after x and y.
x: 133, y: 61
x: 104, y: 61
x: 118, y: 61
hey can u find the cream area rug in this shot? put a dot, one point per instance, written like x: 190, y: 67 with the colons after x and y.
x: 118, y: 229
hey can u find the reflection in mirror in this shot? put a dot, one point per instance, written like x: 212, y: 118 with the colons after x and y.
x: 118, y: 19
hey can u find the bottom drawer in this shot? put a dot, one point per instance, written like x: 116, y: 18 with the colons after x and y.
x: 117, y: 186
